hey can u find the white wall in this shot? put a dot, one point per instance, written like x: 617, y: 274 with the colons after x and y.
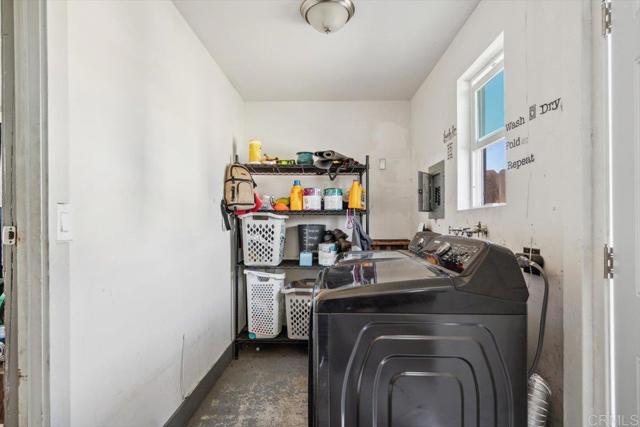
x: 142, y: 122
x: 379, y: 129
x: 548, y: 201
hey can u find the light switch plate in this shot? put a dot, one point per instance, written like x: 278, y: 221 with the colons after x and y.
x: 63, y: 222
x: 383, y: 164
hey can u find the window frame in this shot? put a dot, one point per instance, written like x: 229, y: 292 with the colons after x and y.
x: 477, y: 144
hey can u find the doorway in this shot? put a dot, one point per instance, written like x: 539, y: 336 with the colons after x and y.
x: 24, y: 213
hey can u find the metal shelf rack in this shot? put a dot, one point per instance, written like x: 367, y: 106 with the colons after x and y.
x: 259, y: 169
x: 359, y: 170
x: 318, y: 213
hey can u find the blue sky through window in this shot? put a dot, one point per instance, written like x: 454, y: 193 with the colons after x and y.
x: 491, y: 105
x: 496, y: 157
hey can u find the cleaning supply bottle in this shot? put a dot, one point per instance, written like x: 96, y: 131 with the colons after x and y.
x: 355, y: 195
x: 296, y: 196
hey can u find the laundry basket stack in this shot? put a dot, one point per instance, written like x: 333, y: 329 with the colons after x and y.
x: 263, y: 235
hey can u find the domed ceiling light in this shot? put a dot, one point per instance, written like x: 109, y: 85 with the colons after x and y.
x: 327, y: 16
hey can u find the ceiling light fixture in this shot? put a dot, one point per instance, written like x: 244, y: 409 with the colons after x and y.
x: 327, y: 16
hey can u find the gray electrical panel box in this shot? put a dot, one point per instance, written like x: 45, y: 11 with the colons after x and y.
x: 431, y: 191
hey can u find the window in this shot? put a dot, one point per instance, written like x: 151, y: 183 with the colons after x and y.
x: 481, y: 146
x: 488, y: 150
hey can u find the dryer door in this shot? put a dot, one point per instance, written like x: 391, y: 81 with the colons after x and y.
x: 422, y: 370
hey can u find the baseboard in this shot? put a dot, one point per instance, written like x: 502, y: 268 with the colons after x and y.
x: 192, y: 402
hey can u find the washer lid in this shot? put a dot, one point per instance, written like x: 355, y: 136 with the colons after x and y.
x: 379, y: 269
x: 351, y: 257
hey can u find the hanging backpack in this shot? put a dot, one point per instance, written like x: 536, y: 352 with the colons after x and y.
x: 238, y: 188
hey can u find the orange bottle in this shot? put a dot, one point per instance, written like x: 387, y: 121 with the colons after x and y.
x: 295, y: 197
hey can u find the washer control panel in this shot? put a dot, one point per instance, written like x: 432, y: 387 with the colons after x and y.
x: 421, y: 240
x: 453, y: 253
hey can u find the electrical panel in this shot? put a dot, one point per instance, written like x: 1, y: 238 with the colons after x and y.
x: 431, y: 191
x: 424, y: 192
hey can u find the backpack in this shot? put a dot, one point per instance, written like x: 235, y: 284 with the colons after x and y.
x: 238, y: 188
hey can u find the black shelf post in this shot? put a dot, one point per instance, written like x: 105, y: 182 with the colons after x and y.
x: 366, y: 194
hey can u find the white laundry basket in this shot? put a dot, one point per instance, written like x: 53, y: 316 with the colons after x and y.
x: 263, y: 238
x: 265, y: 308
x: 298, y: 297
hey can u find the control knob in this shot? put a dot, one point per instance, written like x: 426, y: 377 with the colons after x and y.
x: 443, y: 248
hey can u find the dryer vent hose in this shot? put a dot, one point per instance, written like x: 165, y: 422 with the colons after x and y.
x: 539, y: 400
x: 539, y: 393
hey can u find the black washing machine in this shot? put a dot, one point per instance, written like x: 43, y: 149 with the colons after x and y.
x: 432, y: 337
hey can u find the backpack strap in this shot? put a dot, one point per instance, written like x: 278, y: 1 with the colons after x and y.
x: 225, y: 215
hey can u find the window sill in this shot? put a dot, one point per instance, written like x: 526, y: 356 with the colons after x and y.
x: 476, y: 208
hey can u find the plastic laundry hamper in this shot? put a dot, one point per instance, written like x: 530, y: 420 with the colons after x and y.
x: 265, y: 307
x: 263, y: 237
x: 298, y: 303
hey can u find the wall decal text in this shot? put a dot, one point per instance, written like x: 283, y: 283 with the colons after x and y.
x: 514, y: 124
x: 449, y: 134
x: 516, y: 142
x: 521, y: 162
x: 450, y: 150
x: 550, y: 106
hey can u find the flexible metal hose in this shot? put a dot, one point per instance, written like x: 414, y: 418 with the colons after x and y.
x: 539, y: 397
x: 539, y: 393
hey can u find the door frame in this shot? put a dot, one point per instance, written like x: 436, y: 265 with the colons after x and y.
x: 25, y: 201
x: 597, y: 401
x: 586, y: 324
x: 600, y: 399
x: 605, y: 322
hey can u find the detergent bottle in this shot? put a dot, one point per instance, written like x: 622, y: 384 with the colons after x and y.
x: 355, y: 195
x: 296, y: 196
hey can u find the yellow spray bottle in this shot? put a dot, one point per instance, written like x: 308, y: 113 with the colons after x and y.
x: 355, y: 195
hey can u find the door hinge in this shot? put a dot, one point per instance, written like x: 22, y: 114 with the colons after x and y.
x: 606, y: 18
x: 608, y: 262
x: 9, y: 235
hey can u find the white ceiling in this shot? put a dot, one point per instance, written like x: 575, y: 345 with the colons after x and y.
x: 270, y: 54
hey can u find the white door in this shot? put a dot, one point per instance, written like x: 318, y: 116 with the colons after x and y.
x: 625, y: 214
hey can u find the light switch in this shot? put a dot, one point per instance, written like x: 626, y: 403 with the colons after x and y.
x: 383, y: 164
x: 64, y: 225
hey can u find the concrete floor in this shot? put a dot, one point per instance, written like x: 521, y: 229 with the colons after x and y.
x: 261, y: 389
